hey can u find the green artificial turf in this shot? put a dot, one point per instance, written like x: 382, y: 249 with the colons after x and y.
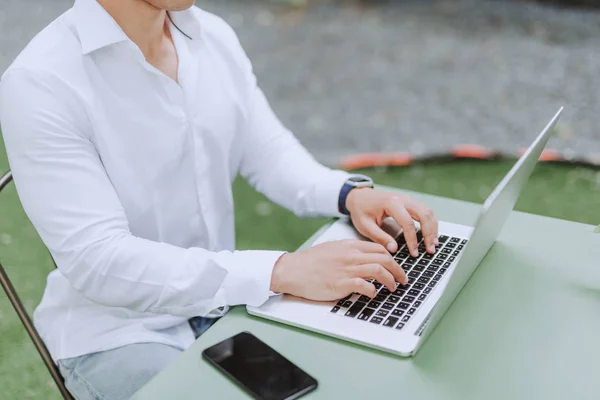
x: 568, y: 192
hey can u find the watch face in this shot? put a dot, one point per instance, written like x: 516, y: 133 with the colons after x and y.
x: 358, y: 179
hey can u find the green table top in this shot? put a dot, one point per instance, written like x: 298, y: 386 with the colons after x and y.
x: 526, y: 326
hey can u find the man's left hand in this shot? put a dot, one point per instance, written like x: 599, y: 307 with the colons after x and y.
x: 369, y: 207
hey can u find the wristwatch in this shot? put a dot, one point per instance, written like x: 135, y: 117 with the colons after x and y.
x: 355, y: 181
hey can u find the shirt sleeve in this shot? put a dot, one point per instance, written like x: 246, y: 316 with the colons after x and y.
x: 275, y: 163
x: 70, y: 200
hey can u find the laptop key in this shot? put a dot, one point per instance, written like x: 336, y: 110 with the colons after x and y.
x: 416, y: 304
x: 464, y: 241
x: 442, y: 238
x: 433, y: 268
x: 374, y: 304
x: 427, y: 256
x: 423, y: 280
x: 376, y: 320
x: 455, y: 240
x: 382, y: 313
x: 411, y: 311
x: 450, y: 245
x: 414, y: 274
x: 390, y: 322
x: 387, y: 306
x: 447, y: 265
x: 410, y: 261
x: 408, y: 299
x: 347, y: 303
x: 423, y: 262
x: 335, y: 309
x: 365, y: 314
x: 437, y: 262
x: 432, y: 284
x: 427, y: 290
x: 364, y: 298
x: 401, y: 240
x: 377, y: 285
x: 446, y: 250
x: 442, y: 256
x: 456, y: 253
x: 442, y: 270
x: 384, y: 292
x: 418, y: 286
x: 400, y: 326
x: 451, y: 258
x: 428, y: 274
x: 418, y: 268
x: 355, y: 309
x: 398, y: 312
x: 379, y: 297
x: 340, y: 303
x: 403, y: 306
x: 422, y: 297
x: 421, y: 247
x: 460, y: 247
x: 414, y: 292
x: 419, y: 235
x: 393, y: 299
x: 406, y: 318
x: 399, y: 292
x: 437, y: 277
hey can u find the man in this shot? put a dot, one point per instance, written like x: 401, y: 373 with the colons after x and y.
x: 125, y: 122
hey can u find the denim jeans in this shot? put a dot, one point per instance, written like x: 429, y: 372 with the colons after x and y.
x: 118, y: 373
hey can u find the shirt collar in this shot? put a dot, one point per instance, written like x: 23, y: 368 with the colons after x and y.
x: 98, y: 29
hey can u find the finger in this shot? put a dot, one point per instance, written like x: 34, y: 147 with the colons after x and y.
x: 387, y: 262
x: 397, y: 211
x: 379, y: 273
x: 370, y: 229
x: 429, y: 223
x: 359, y: 285
x: 368, y: 247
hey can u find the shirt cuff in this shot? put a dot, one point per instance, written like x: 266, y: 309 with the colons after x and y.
x: 254, y: 277
x: 328, y: 193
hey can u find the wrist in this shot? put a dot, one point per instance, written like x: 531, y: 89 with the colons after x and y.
x: 353, y: 182
x: 278, y: 274
x: 353, y: 198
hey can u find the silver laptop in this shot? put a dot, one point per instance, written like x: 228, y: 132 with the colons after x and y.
x: 400, y: 321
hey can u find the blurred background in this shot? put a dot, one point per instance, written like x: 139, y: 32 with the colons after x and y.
x: 430, y: 96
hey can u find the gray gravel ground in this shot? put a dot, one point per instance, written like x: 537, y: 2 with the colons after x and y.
x: 418, y: 76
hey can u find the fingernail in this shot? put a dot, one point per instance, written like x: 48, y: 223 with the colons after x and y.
x: 432, y: 248
x: 437, y: 242
x: 391, y: 246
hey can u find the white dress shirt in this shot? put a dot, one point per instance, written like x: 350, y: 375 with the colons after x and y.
x: 126, y: 175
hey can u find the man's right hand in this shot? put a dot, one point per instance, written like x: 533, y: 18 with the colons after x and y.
x: 332, y: 270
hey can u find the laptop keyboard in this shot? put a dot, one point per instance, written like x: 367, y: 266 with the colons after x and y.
x: 395, y: 309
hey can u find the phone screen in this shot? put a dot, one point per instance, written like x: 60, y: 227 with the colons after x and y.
x: 262, y: 371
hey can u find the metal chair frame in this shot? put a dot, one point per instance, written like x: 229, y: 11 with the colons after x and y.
x: 10, y: 291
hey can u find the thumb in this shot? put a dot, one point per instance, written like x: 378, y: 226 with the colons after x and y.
x: 370, y: 229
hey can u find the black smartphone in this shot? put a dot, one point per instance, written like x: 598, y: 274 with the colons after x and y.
x: 263, y: 372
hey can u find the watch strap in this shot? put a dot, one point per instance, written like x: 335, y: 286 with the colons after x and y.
x: 347, y: 187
